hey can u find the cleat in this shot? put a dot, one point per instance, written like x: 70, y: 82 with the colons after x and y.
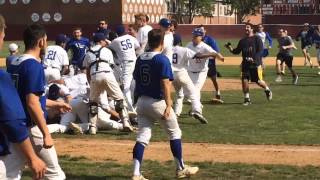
x: 199, y: 117
x: 295, y: 80
x: 268, y: 94
x: 75, y: 128
x: 92, y: 130
x: 218, y: 100
x: 140, y: 177
x: 187, y: 172
x: 282, y: 73
x: 246, y: 102
x: 278, y: 79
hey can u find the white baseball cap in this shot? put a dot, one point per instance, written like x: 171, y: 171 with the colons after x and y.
x: 13, y: 47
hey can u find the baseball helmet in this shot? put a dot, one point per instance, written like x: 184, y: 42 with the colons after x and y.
x: 164, y: 22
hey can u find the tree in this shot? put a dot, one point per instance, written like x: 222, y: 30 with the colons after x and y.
x: 243, y: 8
x: 192, y: 8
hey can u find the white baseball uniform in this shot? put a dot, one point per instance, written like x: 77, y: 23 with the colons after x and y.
x: 102, y: 77
x: 80, y: 110
x: 198, y: 68
x: 77, y: 84
x: 168, y: 45
x: 180, y: 60
x: 125, y: 47
x: 56, y: 57
x: 142, y: 36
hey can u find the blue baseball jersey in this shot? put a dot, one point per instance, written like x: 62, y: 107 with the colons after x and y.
x: 12, y: 116
x: 78, y: 49
x: 28, y: 77
x: 150, y: 69
x: 214, y: 45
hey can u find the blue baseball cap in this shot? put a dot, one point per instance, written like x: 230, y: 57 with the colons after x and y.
x: 164, y: 22
x: 61, y: 38
x: 120, y: 29
x: 97, y: 37
x: 177, y: 39
x: 198, y: 32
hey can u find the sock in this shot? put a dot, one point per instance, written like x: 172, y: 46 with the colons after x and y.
x: 267, y: 88
x: 176, y: 149
x: 246, y: 95
x: 218, y: 93
x: 137, y: 158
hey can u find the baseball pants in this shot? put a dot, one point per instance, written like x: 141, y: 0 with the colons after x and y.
x: 149, y: 111
x: 183, y: 81
x: 127, y: 78
x: 15, y: 162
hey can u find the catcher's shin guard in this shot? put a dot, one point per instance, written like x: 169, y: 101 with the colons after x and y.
x: 93, y: 117
x: 123, y: 112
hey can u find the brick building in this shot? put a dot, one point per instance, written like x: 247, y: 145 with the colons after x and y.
x: 291, y: 11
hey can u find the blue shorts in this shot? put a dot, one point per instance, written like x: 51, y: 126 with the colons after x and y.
x: 212, y: 72
x: 265, y: 53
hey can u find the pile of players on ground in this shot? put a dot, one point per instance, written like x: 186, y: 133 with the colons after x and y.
x: 97, y: 81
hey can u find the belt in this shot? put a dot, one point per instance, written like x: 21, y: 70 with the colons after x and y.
x: 195, y: 72
x: 52, y: 68
x: 100, y: 72
x: 131, y: 61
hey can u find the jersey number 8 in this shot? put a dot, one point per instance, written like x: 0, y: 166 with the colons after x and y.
x: 126, y: 44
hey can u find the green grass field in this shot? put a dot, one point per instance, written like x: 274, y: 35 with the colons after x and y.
x: 291, y: 118
x: 221, y: 43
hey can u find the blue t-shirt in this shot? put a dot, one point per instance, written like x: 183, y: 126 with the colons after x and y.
x: 28, y: 77
x: 213, y: 44
x: 150, y: 69
x: 78, y: 49
x: 12, y: 116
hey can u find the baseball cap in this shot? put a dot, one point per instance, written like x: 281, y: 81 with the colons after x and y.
x: 13, y: 47
x: 120, y: 29
x: 61, y: 38
x: 164, y: 22
x: 176, y: 39
x: 97, y: 37
x: 54, y: 92
x: 198, y: 32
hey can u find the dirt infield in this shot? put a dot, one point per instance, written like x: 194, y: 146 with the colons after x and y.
x: 226, y: 85
x: 121, y: 151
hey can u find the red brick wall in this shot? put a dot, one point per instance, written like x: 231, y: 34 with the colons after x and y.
x: 291, y: 19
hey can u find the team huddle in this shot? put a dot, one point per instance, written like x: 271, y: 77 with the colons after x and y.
x: 120, y: 80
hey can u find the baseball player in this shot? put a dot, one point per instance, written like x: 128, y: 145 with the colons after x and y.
x: 212, y: 71
x: 198, y: 68
x: 98, y: 62
x: 316, y: 41
x: 306, y: 43
x: 13, y: 50
x: 28, y: 76
x: 103, y: 28
x: 56, y: 60
x: 78, y: 46
x: 153, y: 74
x: 15, y: 145
x: 251, y: 47
x: 180, y: 60
x: 165, y: 26
x: 80, y: 110
x: 125, y: 47
x: 144, y: 28
x: 286, y: 45
x: 133, y: 30
x: 264, y: 36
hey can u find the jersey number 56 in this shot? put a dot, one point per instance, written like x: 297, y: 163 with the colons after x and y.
x: 126, y: 44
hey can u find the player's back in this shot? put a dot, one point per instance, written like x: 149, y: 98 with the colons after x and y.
x: 56, y: 57
x: 100, y: 62
x: 151, y: 68
x: 199, y: 65
x: 142, y: 34
x: 181, y: 57
x: 168, y: 45
x: 125, y: 47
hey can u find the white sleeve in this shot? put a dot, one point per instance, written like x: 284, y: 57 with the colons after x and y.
x: 208, y: 49
x: 189, y: 54
x: 110, y: 56
x: 65, y: 58
x: 86, y: 60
